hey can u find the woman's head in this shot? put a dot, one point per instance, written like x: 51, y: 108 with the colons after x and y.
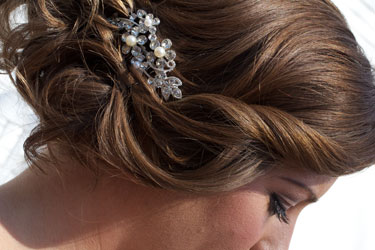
x: 267, y: 84
x: 277, y: 102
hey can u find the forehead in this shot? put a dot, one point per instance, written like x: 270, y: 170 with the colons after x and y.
x: 316, y: 182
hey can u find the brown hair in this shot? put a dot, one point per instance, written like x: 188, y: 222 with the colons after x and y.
x: 264, y: 83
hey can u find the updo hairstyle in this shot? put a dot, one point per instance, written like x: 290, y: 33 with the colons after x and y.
x: 266, y: 84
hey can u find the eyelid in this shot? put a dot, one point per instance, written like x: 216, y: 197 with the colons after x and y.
x: 289, y: 202
x: 312, y: 196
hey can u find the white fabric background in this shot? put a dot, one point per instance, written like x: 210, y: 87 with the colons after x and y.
x: 343, y: 219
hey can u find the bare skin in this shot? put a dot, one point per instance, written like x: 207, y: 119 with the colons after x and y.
x: 63, y: 211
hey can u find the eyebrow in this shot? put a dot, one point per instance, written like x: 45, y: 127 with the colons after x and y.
x: 313, y: 198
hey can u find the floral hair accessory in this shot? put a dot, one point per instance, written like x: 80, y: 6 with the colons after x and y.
x: 153, y: 58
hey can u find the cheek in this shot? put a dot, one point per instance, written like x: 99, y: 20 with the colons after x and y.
x: 237, y: 221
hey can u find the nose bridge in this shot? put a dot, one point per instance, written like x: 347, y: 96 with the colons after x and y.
x: 276, y: 236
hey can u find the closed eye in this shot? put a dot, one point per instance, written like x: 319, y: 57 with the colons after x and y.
x: 277, y: 208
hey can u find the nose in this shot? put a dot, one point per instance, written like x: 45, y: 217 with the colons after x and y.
x: 276, y: 236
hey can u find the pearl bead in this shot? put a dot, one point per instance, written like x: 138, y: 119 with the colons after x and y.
x: 148, y: 21
x: 159, y: 52
x: 131, y: 40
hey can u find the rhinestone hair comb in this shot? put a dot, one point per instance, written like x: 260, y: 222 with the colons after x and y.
x: 153, y: 58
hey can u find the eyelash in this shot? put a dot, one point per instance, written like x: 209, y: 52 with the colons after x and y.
x: 277, y: 208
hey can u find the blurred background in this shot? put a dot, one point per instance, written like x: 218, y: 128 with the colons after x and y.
x: 343, y: 219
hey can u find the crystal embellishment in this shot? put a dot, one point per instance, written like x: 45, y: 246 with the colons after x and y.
x: 142, y: 40
x: 141, y: 13
x: 152, y: 57
x: 154, y: 44
x: 166, y: 43
x: 125, y: 49
x: 170, y: 55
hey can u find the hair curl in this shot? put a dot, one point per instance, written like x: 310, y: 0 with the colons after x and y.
x: 265, y: 83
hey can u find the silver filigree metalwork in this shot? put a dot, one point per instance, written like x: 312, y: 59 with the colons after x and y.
x: 151, y: 56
